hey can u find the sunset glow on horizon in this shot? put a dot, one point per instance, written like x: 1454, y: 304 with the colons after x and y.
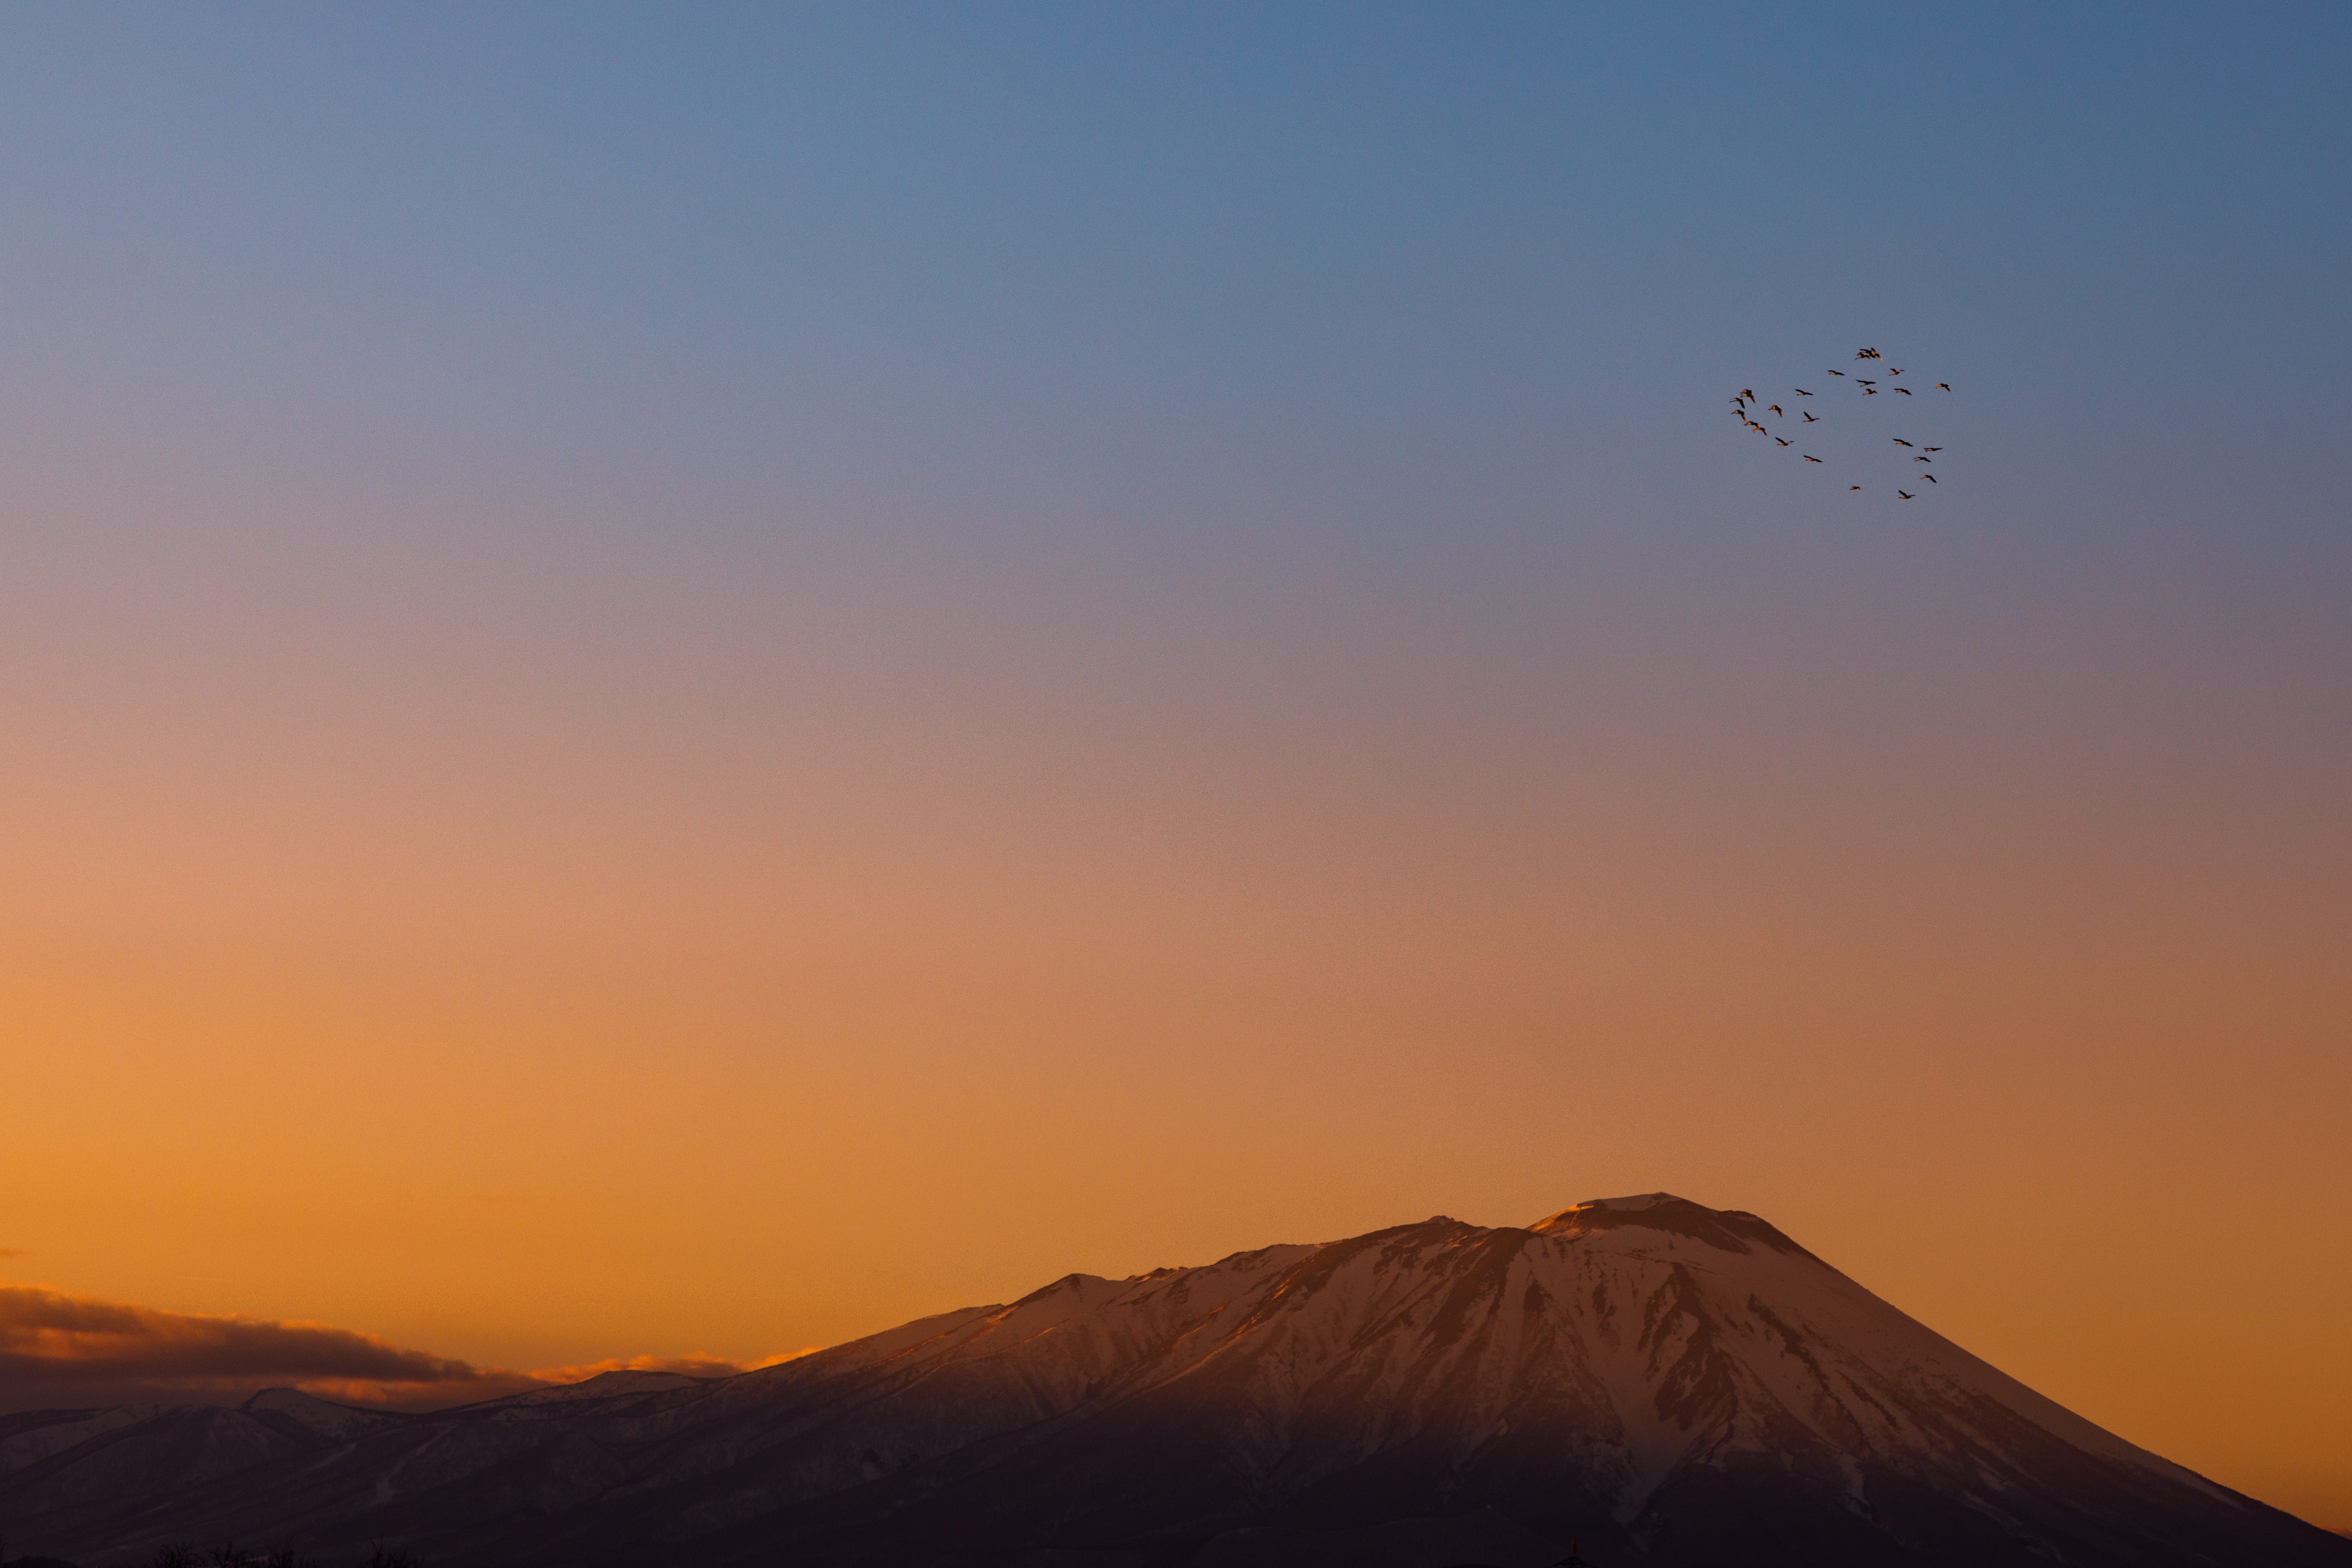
x: 678, y: 688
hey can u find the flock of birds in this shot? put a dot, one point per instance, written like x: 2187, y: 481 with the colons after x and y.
x: 1746, y: 406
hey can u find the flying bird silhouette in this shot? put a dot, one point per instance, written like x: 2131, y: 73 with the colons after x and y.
x: 1747, y: 407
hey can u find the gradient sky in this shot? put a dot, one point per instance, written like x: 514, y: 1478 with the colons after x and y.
x: 694, y: 680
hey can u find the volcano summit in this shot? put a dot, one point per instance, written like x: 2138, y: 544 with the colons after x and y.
x: 1670, y: 1384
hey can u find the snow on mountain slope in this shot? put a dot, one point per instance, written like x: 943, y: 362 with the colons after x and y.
x: 36, y: 1434
x: 291, y: 1410
x: 1667, y: 1382
x: 1686, y: 1333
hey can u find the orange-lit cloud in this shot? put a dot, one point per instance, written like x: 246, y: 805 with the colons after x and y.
x: 59, y: 1347
x: 686, y: 1365
x: 494, y: 1382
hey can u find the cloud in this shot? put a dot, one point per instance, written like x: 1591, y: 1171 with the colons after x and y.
x: 12, y: 1252
x: 494, y: 1384
x: 60, y: 1349
x: 690, y: 1365
x: 694, y: 1366
x: 51, y: 1338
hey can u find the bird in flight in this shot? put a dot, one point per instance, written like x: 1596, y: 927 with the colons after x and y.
x: 1748, y: 409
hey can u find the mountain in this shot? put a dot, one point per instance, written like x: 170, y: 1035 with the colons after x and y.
x: 1671, y: 1385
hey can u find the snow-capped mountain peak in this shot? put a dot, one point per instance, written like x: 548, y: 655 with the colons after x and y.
x: 1666, y: 1382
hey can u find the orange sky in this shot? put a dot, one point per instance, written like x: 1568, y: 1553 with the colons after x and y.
x: 537, y: 1011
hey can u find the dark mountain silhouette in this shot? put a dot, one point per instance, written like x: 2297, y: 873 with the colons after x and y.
x: 1669, y: 1385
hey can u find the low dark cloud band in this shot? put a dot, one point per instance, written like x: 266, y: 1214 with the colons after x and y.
x: 61, y: 1348
x: 64, y: 1338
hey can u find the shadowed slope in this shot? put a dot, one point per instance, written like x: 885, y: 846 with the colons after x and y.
x: 1670, y: 1383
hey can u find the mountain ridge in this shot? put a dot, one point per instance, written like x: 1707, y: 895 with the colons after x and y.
x: 1670, y: 1383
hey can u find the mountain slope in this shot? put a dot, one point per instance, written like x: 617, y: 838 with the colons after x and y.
x: 1670, y: 1384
